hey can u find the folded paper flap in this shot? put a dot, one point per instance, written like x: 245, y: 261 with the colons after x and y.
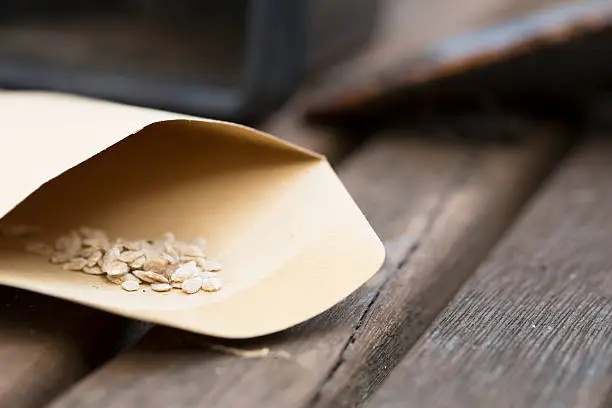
x: 45, y: 134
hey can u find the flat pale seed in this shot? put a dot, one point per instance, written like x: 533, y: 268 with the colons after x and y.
x: 161, y: 287
x: 75, y: 264
x: 171, y: 259
x: 39, y: 248
x: 86, y: 252
x: 142, y: 275
x: 117, y: 280
x: 156, y: 277
x: 185, y: 272
x: 192, y: 285
x: 97, y: 242
x: 209, y: 265
x: 94, y: 258
x: 115, y: 268
x: 87, y: 232
x: 130, y: 256
x: 130, y: 276
x: 60, y: 257
x: 69, y: 243
x: 130, y: 285
x: 93, y: 270
x: 177, y: 285
x: 211, y: 284
x: 138, y: 262
x: 132, y: 245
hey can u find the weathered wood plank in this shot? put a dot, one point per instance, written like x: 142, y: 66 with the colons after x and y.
x: 532, y: 327
x: 47, y: 344
x: 433, y: 201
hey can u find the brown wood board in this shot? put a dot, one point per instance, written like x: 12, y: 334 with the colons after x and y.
x: 424, y: 42
x: 47, y: 344
x: 532, y: 327
x: 433, y: 201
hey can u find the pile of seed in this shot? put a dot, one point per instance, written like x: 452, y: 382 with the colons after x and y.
x: 164, y: 264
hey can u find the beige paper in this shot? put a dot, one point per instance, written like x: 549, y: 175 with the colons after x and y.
x: 291, y: 240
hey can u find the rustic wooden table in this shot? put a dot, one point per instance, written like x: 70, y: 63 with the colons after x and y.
x: 496, y: 290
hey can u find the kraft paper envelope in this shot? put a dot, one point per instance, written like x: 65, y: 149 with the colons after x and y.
x: 291, y: 240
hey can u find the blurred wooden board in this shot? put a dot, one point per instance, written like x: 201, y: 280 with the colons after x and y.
x: 438, y: 204
x: 532, y: 327
x: 47, y: 344
x: 424, y: 43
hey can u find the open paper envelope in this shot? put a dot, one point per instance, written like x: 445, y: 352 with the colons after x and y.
x: 291, y: 240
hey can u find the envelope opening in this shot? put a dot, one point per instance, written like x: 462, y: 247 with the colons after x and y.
x: 171, y: 176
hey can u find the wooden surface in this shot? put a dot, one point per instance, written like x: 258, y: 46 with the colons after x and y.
x: 47, y: 344
x: 533, y: 327
x: 421, y: 42
x: 433, y: 200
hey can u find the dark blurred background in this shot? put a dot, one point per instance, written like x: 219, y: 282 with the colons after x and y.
x: 231, y: 59
x: 358, y: 59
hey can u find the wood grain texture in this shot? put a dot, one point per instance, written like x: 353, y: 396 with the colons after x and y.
x: 47, y: 344
x: 433, y: 201
x: 421, y: 42
x: 532, y: 327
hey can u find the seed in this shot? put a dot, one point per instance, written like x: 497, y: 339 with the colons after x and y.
x: 157, y: 277
x: 208, y: 265
x: 97, y: 242
x: 177, y: 285
x: 150, y: 276
x: 39, y: 248
x: 115, y: 268
x: 130, y: 256
x: 161, y: 287
x: 130, y: 285
x: 69, y: 243
x: 94, y: 258
x: 75, y: 264
x: 132, y: 245
x: 118, y: 280
x: 142, y: 275
x: 184, y: 272
x: 211, y: 284
x: 93, y: 270
x: 86, y: 252
x: 138, y: 262
x: 87, y: 232
x: 189, y: 250
x: 167, y: 258
x: 60, y: 257
x: 192, y: 285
